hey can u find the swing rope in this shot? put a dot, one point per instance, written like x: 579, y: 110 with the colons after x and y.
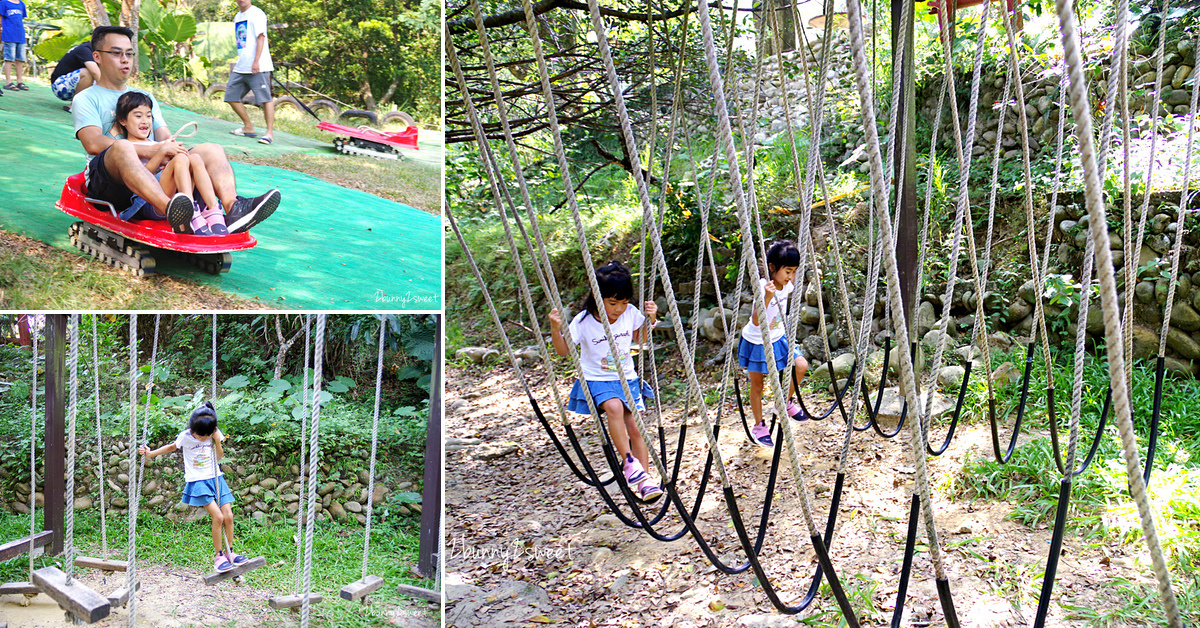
x: 305, y: 470
x: 31, y: 321
x: 374, y: 443
x: 99, y: 438
x: 313, y: 460
x: 72, y: 413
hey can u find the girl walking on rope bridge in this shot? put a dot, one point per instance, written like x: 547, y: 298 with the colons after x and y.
x: 201, y: 446
x: 783, y: 260
x: 602, y: 372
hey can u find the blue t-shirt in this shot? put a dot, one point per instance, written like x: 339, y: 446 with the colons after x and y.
x: 97, y: 106
x: 14, y: 21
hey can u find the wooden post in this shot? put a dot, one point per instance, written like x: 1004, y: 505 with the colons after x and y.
x: 54, y: 482
x: 431, y: 500
x: 907, y: 219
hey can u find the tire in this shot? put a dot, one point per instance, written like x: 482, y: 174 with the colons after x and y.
x: 188, y: 85
x: 360, y: 113
x: 289, y: 102
x: 328, y: 106
x: 214, y: 89
x: 399, y: 116
x: 219, y: 88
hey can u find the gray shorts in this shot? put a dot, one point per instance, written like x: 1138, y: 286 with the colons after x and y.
x: 239, y: 84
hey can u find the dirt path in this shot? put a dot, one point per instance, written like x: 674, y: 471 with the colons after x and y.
x: 529, y: 543
x: 169, y: 597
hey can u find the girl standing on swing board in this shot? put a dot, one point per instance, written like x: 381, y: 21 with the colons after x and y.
x: 206, y: 487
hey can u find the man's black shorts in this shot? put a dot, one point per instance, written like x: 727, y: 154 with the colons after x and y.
x: 100, y: 185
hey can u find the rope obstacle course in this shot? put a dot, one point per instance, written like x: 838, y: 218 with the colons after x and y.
x: 881, y: 259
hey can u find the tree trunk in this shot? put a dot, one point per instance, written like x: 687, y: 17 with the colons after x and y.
x: 130, y: 12
x: 97, y: 14
x: 365, y: 91
x: 284, y: 345
x: 391, y: 91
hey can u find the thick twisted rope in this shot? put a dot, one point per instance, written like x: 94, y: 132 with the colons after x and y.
x: 72, y: 413
x: 1108, y: 297
x: 131, y: 554
x: 31, y: 322
x: 374, y: 444
x: 99, y: 438
x: 907, y: 375
x: 305, y: 470
x: 1180, y: 224
x: 313, y: 460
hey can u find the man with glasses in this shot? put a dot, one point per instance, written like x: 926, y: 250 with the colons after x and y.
x: 115, y: 173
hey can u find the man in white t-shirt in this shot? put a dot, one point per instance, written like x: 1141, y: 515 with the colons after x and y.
x: 252, y: 72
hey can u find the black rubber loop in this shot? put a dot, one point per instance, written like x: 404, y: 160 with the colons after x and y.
x: 1159, y: 372
x: 1060, y: 524
x: 958, y: 406
x: 1003, y: 458
x: 910, y: 544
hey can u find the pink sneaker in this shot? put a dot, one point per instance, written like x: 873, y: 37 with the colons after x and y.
x: 795, y: 411
x: 634, y: 473
x: 236, y: 558
x: 222, y: 563
x: 650, y: 492
x: 761, y: 435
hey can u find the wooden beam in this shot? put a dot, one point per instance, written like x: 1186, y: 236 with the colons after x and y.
x: 99, y: 563
x: 55, y: 436
x: 120, y: 597
x: 360, y: 588
x: 418, y: 592
x: 74, y: 598
x: 19, y: 588
x: 253, y: 563
x: 431, y: 499
x: 293, y: 601
x: 12, y: 549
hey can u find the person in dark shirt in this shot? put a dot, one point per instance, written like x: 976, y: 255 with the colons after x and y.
x: 75, y: 72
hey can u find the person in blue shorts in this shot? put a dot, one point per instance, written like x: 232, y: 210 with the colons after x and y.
x: 12, y: 33
x: 116, y: 174
x: 75, y: 72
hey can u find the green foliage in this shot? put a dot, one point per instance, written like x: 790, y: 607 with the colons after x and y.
x: 361, y: 49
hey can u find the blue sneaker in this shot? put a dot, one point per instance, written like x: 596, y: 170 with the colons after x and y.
x: 236, y: 558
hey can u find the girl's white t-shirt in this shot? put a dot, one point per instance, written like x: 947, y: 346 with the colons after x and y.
x: 598, y: 364
x: 773, y: 318
x: 197, y: 456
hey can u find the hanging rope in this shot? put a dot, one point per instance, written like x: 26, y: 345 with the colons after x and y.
x: 305, y: 470
x: 31, y: 322
x: 1108, y: 296
x: 99, y: 438
x: 72, y: 413
x: 131, y: 554
x: 313, y: 460
x: 374, y: 443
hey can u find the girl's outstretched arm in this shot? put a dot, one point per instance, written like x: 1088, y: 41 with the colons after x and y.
x: 218, y: 437
x: 556, y: 337
x: 165, y: 449
x: 643, y: 333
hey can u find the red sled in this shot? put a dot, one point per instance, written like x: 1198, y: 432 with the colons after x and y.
x: 133, y: 244
x: 364, y: 140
